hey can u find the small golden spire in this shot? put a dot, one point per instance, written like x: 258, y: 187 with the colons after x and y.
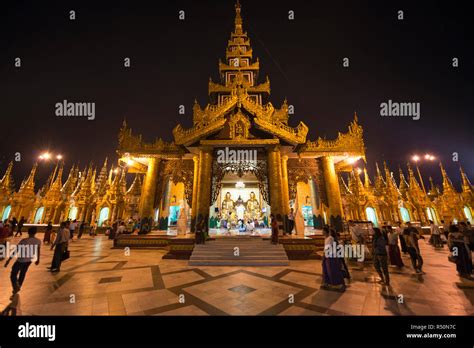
x: 466, y: 184
x: 367, y: 182
x: 238, y: 18
x: 29, y: 184
x: 7, y: 179
x: 447, y: 184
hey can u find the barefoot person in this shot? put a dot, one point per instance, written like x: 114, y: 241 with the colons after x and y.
x: 393, y: 249
x: 411, y: 238
x: 28, y: 250
x: 60, y: 245
x: 333, y: 276
x: 380, y: 256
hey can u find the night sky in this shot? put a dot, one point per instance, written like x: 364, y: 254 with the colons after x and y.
x: 172, y: 60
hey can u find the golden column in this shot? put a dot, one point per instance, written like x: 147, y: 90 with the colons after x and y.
x: 194, y: 206
x: 275, y: 180
x: 147, y: 198
x: 204, y: 182
x: 284, y: 183
x: 333, y: 192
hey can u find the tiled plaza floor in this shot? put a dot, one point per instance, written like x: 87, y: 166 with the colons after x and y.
x: 105, y: 281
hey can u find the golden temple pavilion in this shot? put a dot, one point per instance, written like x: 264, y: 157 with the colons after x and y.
x: 241, y: 160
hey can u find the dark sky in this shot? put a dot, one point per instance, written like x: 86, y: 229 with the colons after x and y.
x: 82, y: 61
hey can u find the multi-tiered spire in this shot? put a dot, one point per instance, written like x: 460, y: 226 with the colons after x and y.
x: 465, y: 183
x: 239, y: 102
x: 7, y: 185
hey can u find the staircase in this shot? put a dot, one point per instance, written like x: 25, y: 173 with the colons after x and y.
x: 251, y: 252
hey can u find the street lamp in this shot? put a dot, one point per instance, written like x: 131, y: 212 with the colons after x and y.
x: 416, y: 159
x: 46, y: 156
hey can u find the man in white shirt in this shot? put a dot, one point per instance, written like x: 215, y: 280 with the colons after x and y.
x: 121, y: 229
x: 28, y: 250
x: 72, y: 228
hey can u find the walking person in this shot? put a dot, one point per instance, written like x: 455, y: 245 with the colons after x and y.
x: 13, y: 224
x: 274, y: 225
x: 113, y: 230
x: 461, y: 254
x: 393, y: 249
x: 445, y: 229
x: 411, y: 238
x: 4, y: 233
x: 28, y: 250
x: 20, y: 226
x: 72, y: 228
x: 435, y: 235
x: 200, y: 239
x: 93, y: 229
x: 60, y: 245
x: 291, y: 221
x: 82, y: 226
x: 47, y: 233
x: 380, y: 256
x: 345, y: 269
x: 403, y: 245
x: 333, y: 277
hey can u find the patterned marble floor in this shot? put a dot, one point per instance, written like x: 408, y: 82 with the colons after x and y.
x: 98, y: 280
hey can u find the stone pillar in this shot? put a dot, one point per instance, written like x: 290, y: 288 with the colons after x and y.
x: 147, y: 198
x: 204, y: 182
x: 333, y: 192
x: 194, y: 203
x: 284, y: 183
x: 275, y: 180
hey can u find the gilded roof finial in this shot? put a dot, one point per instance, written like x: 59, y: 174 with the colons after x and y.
x: 447, y: 184
x: 465, y: 183
x: 238, y: 19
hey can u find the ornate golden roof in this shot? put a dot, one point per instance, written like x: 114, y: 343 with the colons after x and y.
x: 350, y: 143
x: 128, y: 142
x: 238, y: 92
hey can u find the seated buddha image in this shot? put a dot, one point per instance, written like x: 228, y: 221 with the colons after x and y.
x: 228, y: 206
x: 253, y: 207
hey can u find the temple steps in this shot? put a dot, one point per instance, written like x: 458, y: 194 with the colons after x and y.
x: 252, y: 252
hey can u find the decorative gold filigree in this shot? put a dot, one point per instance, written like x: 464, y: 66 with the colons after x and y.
x: 350, y: 142
x: 128, y: 142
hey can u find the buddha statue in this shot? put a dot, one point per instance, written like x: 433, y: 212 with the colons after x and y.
x: 227, y: 207
x: 253, y: 207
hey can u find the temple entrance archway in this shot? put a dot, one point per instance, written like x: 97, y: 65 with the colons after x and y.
x: 38, y: 215
x: 371, y: 216
x: 6, y: 212
x: 468, y: 214
x: 404, y: 214
x: 103, y: 215
x: 239, y: 199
